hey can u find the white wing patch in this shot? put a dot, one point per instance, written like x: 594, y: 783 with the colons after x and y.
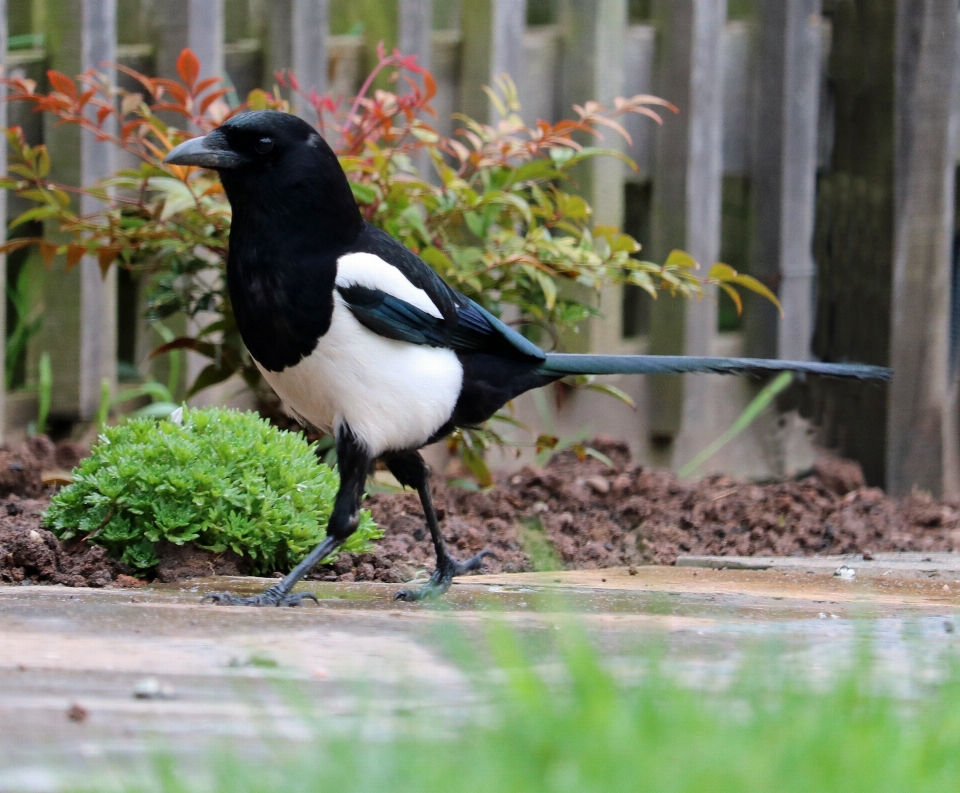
x: 369, y: 270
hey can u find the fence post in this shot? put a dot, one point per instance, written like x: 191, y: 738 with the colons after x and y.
x: 686, y: 207
x: 919, y: 451
x: 853, y: 235
x: 786, y: 98
x: 80, y: 312
x: 197, y: 24
x: 3, y: 225
x: 298, y: 41
x: 415, y: 26
x: 492, y: 46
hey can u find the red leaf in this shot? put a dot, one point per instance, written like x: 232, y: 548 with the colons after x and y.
x: 176, y: 90
x: 102, y: 114
x: 209, y: 99
x: 203, y: 85
x: 105, y: 257
x: 48, y: 250
x: 129, y: 127
x: 62, y: 83
x: 188, y: 67
x: 74, y: 254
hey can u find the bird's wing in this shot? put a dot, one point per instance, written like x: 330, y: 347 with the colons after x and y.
x: 378, y: 243
x: 397, y: 310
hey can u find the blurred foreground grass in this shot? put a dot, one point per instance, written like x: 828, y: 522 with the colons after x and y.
x: 577, y: 728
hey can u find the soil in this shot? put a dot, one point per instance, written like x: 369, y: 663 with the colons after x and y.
x: 585, y: 514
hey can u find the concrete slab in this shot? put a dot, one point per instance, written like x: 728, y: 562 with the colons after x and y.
x: 72, y: 662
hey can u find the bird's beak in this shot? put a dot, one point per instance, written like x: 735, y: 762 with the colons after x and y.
x: 209, y: 151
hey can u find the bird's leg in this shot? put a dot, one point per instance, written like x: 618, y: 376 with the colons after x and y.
x: 354, y: 464
x: 412, y: 471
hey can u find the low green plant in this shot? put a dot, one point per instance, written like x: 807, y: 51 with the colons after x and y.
x: 221, y: 480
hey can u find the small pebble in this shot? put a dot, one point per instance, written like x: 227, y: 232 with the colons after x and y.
x: 598, y: 484
x: 77, y: 713
x: 151, y: 688
x: 632, y: 570
x: 34, y: 536
x: 948, y: 627
x: 845, y: 573
x: 540, y: 507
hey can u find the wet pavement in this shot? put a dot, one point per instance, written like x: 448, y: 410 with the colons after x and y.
x: 103, y: 680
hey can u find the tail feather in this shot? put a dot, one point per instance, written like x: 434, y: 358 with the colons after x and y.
x: 571, y: 363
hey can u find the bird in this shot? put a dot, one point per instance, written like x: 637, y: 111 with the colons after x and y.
x: 362, y: 339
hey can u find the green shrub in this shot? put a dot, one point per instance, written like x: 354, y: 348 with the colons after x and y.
x: 220, y: 480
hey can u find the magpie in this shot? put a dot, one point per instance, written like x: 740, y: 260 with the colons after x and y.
x: 362, y: 339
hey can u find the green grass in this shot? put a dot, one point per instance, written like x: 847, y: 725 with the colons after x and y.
x: 766, y: 733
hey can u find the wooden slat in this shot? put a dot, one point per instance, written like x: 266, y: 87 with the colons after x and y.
x: 686, y: 206
x: 3, y: 223
x: 926, y: 52
x: 298, y: 32
x: 539, y: 84
x: 786, y: 101
x: 415, y: 25
x: 197, y: 24
x: 593, y: 58
x: 492, y: 45
x: 79, y: 329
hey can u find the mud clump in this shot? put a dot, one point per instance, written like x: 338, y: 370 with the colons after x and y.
x: 29, y: 554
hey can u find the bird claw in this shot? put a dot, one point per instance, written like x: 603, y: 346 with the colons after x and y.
x: 272, y: 597
x: 442, y: 577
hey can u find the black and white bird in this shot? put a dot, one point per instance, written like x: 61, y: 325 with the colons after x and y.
x: 360, y: 338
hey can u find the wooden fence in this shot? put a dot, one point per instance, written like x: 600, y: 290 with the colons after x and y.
x: 815, y: 148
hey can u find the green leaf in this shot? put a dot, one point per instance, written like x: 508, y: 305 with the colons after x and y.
x: 679, y: 258
x: 364, y: 194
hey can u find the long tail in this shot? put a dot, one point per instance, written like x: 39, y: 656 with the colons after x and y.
x: 571, y: 363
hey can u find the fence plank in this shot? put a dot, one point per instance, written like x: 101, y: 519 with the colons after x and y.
x: 415, y: 25
x: 786, y: 101
x: 197, y: 24
x: 79, y: 329
x: 593, y: 58
x: 686, y: 206
x: 492, y: 45
x: 926, y: 51
x: 298, y: 41
x: 3, y: 224
x: 539, y: 85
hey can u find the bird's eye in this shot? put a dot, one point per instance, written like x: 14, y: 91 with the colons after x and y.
x: 263, y: 145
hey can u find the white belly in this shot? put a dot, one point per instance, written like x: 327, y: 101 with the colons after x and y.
x: 393, y: 395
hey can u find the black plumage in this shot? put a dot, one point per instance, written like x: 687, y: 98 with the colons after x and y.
x: 360, y: 336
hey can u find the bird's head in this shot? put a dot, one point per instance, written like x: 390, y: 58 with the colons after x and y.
x: 273, y: 159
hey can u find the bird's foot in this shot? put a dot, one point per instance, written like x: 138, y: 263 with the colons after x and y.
x: 447, y: 569
x: 274, y: 596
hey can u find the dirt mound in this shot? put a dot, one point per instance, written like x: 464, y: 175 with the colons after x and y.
x: 595, y: 516
x: 573, y: 514
x: 29, y: 554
